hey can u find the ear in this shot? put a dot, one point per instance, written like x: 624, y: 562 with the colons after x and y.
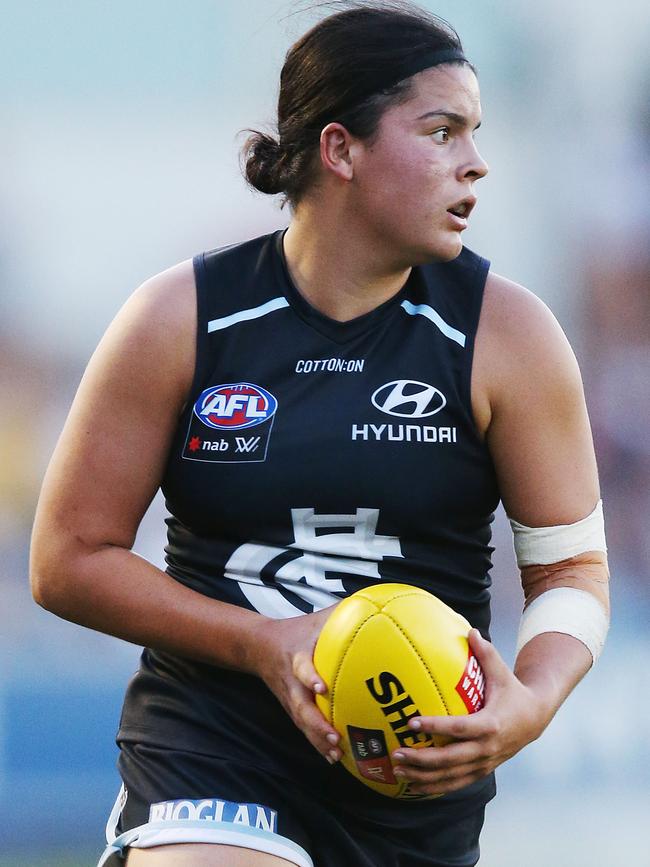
x: 336, y: 151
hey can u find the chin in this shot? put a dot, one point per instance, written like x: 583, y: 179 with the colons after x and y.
x: 419, y: 249
x: 442, y: 249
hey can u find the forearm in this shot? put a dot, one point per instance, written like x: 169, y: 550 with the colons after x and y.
x: 115, y: 591
x: 550, y: 666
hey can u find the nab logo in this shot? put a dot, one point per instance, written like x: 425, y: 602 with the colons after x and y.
x: 408, y: 398
x: 235, y: 406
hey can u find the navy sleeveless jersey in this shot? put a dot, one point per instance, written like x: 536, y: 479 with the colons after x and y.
x: 314, y: 458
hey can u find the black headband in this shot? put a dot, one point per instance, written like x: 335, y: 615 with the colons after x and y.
x: 418, y: 63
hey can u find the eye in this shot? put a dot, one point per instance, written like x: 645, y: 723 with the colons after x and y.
x: 441, y: 136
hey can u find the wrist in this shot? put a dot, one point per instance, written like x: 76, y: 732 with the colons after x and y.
x: 258, y: 646
x: 540, y: 710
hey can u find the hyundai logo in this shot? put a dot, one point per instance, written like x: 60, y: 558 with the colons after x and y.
x: 408, y: 399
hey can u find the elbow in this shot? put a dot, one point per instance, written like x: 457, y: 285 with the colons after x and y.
x: 37, y: 586
x: 50, y: 579
x: 66, y: 578
x: 46, y: 587
x: 45, y: 557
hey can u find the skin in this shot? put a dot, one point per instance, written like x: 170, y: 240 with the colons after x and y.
x: 378, y: 208
x: 201, y: 855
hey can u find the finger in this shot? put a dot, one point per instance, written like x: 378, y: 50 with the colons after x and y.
x: 438, y: 778
x: 460, y: 728
x: 303, y: 669
x: 438, y: 758
x: 313, y: 724
x: 494, y: 667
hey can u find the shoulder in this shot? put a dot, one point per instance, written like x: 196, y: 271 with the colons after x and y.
x: 151, y: 341
x: 166, y: 298
x: 520, y: 346
x: 513, y: 307
x: 162, y: 308
x: 517, y: 327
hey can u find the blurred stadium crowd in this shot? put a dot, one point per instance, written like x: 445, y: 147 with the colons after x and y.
x: 119, y: 157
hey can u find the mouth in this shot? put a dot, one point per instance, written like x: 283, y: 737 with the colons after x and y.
x: 462, y: 209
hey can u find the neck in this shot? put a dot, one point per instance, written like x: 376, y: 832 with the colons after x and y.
x: 342, y: 273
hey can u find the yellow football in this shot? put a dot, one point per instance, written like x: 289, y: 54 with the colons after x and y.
x: 388, y: 653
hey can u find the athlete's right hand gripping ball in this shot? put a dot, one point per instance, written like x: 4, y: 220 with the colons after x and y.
x: 388, y: 653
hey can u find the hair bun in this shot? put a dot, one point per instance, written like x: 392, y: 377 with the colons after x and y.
x: 264, y: 158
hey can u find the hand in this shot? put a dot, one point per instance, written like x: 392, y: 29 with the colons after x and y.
x: 284, y: 662
x: 510, y: 719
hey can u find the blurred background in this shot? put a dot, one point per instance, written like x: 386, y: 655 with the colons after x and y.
x: 119, y: 157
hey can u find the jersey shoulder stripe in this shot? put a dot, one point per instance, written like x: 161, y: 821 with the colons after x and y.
x: 247, y: 315
x: 433, y: 316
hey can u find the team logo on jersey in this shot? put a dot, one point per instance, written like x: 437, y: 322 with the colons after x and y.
x: 235, y: 406
x: 408, y: 398
x: 308, y: 574
x: 227, y: 411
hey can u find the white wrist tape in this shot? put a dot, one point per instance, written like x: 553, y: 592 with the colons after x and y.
x: 546, y: 545
x: 567, y: 610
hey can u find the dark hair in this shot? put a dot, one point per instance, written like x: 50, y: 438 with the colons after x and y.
x: 334, y: 73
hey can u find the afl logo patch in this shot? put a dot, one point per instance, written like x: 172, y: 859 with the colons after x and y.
x: 234, y: 406
x: 408, y: 398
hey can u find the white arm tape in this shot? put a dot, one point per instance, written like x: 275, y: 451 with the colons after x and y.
x: 567, y: 610
x: 544, y: 545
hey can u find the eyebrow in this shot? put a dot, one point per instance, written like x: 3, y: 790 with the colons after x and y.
x: 458, y: 119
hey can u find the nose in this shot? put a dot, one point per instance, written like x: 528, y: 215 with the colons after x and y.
x: 475, y: 167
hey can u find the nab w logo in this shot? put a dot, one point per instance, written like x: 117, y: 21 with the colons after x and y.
x: 247, y: 445
x: 234, y: 406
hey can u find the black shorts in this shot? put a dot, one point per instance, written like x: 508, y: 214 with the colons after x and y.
x: 175, y: 796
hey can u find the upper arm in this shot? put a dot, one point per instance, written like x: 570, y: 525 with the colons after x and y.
x: 528, y: 388
x: 111, y: 454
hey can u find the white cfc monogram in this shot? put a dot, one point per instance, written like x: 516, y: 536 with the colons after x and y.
x: 331, y: 545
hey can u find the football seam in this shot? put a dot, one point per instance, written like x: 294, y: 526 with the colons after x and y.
x: 422, y: 660
x: 380, y: 610
x: 342, y: 660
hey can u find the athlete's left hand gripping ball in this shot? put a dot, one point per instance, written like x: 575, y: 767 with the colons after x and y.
x: 389, y: 653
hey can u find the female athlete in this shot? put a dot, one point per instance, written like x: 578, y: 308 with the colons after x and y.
x: 327, y: 407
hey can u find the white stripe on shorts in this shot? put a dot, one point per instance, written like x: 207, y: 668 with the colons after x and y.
x: 203, y: 831
x: 113, y: 819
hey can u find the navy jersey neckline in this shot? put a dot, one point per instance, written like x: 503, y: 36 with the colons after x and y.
x: 340, y: 332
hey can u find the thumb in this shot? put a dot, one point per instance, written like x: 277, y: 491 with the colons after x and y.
x: 304, y: 671
x: 494, y: 668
